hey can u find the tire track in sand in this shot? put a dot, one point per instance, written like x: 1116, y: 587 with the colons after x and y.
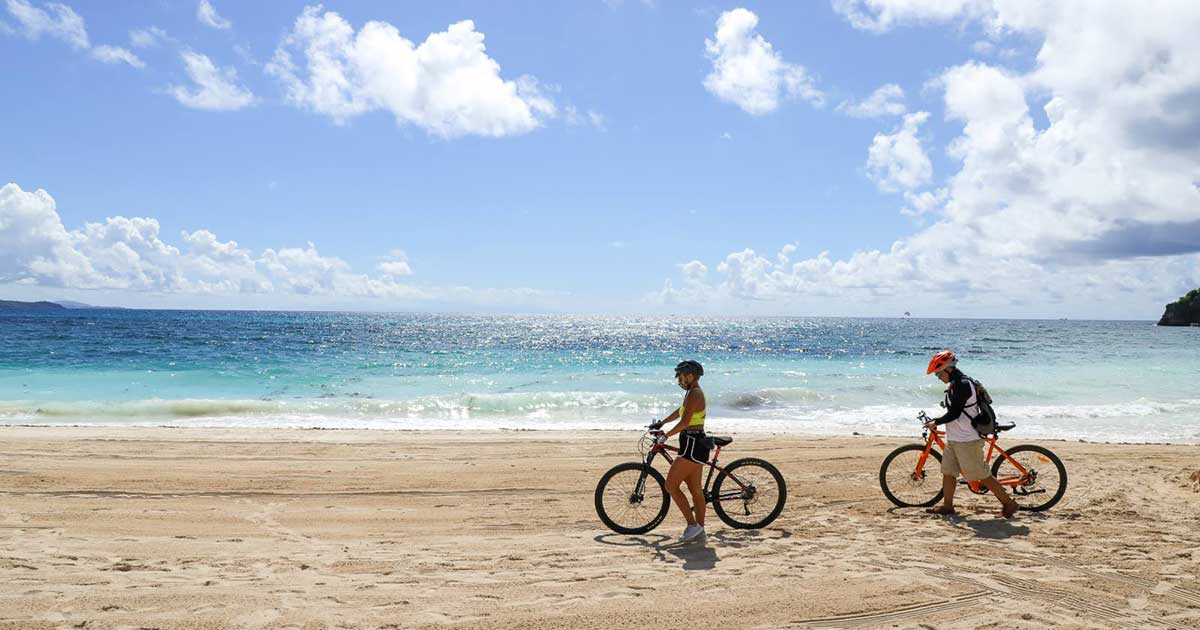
x: 902, y: 613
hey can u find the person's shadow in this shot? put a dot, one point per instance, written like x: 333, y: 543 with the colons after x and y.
x: 697, y: 555
x: 995, y: 528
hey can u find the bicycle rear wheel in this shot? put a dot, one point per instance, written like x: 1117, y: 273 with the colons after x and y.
x: 903, y: 485
x: 632, y: 498
x: 749, y: 494
x: 1045, y: 480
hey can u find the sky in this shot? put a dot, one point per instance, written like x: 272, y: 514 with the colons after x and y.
x: 855, y: 158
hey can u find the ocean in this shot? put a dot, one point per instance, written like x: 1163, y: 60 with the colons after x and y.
x: 1092, y: 380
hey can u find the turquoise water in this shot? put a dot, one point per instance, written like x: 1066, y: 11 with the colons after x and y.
x: 1097, y: 380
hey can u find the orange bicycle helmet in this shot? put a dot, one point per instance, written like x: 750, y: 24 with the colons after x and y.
x: 940, y: 361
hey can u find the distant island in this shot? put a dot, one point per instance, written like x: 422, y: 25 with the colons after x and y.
x: 1184, y: 312
x: 9, y: 305
x: 63, y: 305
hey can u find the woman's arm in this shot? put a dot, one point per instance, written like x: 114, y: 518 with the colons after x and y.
x: 674, y: 415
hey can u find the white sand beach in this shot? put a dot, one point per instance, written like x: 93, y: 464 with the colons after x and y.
x: 188, y: 528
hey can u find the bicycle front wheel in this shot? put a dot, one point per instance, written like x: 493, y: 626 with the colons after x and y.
x: 906, y: 486
x: 749, y: 494
x: 632, y: 498
x: 1043, y: 483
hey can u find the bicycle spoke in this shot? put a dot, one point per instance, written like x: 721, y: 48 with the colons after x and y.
x: 750, y: 493
x: 619, y: 502
x: 1042, y: 482
x: 903, y: 484
x: 757, y: 489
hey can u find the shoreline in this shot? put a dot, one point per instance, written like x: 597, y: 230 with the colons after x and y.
x: 552, y: 431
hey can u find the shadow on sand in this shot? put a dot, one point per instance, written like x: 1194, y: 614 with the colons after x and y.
x: 996, y: 528
x: 697, y: 555
x: 985, y: 524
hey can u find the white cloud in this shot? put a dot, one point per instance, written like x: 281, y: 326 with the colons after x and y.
x: 447, y: 85
x: 575, y: 118
x: 209, y: 16
x: 897, y: 161
x: 57, y: 20
x: 115, y: 54
x: 396, y: 265
x: 62, y: 22
x: 926, y: 202
x: 694, y: 271
x: 1095, y: 213
x: 128, y: 254
x: 886, y: 100
x: 748, y: 72
x: 147, y: 37
x: 882, y: 15
x: 597, y: 119
x: 215, y: 89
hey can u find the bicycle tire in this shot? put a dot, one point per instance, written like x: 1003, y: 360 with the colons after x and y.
x: 925, y: 479
x: 1023, y: 499
x: 730, y: 471
x: 654, y: 479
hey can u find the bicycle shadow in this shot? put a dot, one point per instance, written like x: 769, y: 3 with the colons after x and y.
x: 696, y: 555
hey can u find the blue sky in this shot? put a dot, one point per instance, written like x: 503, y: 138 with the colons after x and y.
x: 639, y: 169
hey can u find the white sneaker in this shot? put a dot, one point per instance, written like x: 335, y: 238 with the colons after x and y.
x: 691, y: 532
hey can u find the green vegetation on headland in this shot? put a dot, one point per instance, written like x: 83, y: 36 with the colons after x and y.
x: 9, y: 305
x: 1183, y: 312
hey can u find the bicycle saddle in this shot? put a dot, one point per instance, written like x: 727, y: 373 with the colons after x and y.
x: 1004, y: 427
x: 721, y: 441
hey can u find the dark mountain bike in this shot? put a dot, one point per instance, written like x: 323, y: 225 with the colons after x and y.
x: 632, y: 498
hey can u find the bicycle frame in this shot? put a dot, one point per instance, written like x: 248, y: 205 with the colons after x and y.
x: 666, y: 450
x: 935, y: 437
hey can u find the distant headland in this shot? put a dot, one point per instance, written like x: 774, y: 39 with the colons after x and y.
x: 9, y: 305
x: 63, y: 305
x: 1183, y: 312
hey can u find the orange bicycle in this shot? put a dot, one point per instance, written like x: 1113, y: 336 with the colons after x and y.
x: 1034, y: 476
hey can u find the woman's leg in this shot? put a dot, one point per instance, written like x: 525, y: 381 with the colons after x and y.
x: 695, y: 483
x: 675, y: 477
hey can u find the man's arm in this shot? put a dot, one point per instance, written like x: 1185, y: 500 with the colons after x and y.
x: 959, y: 393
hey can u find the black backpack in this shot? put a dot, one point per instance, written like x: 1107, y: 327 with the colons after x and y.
x: 985, y: 421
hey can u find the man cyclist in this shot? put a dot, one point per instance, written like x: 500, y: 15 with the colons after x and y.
x: 693, y: 449
x: 964, y: 446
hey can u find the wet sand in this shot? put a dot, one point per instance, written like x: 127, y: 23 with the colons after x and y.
x: 207, y: 528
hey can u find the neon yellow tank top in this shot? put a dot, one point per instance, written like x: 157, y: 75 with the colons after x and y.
x: 697, y: 417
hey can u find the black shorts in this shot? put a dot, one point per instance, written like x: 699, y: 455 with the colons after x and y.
x: 694, y: 446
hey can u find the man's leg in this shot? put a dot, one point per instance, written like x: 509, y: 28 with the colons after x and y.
x: 1010, y: 506
x: 949, y: 480
x: 949, y: 485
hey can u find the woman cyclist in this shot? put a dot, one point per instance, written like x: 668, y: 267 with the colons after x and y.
x: 693, y: 449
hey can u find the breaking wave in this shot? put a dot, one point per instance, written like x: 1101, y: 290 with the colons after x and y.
x: 786, y: 410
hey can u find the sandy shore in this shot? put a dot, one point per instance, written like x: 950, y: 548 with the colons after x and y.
x: 161, y: 528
